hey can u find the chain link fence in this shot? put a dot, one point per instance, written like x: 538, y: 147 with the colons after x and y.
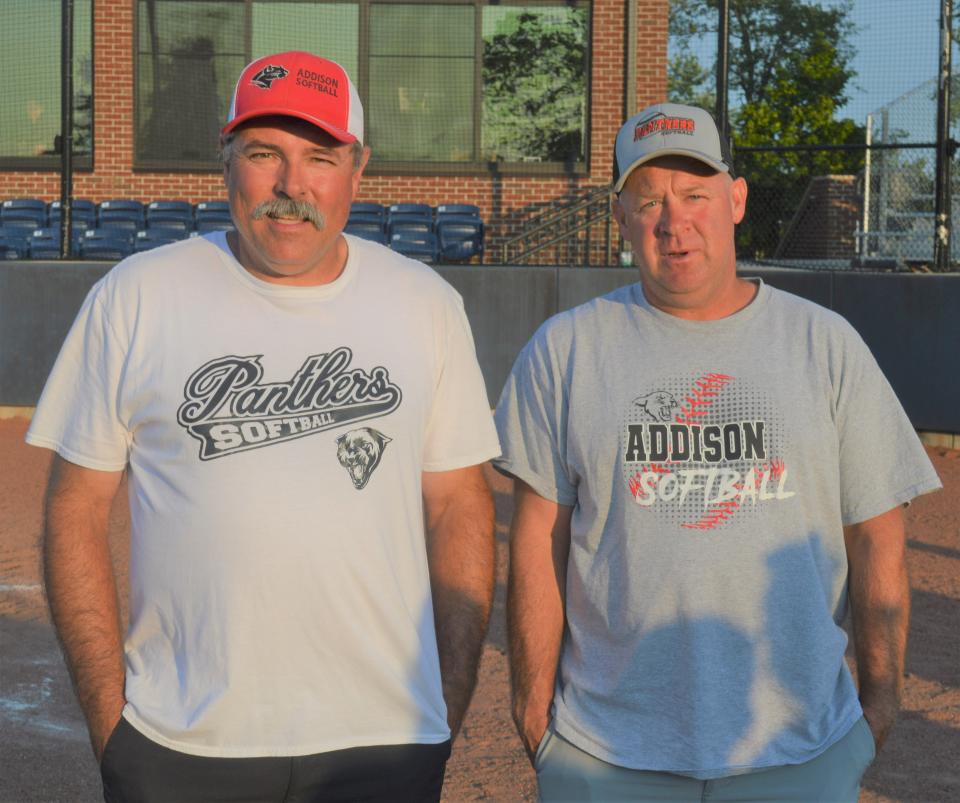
x: 832, y: 116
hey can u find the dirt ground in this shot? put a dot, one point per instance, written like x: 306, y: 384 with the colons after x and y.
x: 44, y: 754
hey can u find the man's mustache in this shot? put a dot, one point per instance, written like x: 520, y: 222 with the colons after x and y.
x: 289, y: 208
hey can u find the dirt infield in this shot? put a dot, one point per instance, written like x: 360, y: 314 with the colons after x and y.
x: 44, y: 754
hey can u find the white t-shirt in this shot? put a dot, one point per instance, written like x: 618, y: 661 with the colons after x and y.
x: 280, y: 595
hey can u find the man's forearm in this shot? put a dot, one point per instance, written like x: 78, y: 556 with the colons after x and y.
x: 880, y: 603
x: 539, y: 545
x: 82, y: 594
x: 459, y: 512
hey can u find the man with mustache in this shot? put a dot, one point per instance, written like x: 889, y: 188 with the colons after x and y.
x: 294, y: 634
x: 677, y: 591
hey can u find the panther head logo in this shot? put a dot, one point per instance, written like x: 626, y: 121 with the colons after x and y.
x: 359, y: 452
x: 268, y: 75
x: 659, y: 405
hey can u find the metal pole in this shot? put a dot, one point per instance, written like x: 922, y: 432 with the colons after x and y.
x: 941, y: 242
x: 883, y: 208
x: 66, y: 127
x: 630, y: 61
x: 865, y: 241
x: 723, y: 65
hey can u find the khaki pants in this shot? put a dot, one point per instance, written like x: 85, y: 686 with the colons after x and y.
x: 566, y: 773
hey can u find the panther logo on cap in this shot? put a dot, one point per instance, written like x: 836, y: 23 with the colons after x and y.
x: 268, y: 75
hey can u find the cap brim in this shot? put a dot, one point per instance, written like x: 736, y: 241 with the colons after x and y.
x: 332, y: 130
x: 719, y: 166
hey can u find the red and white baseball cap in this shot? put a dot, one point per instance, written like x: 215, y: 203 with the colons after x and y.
x: 298, y: 84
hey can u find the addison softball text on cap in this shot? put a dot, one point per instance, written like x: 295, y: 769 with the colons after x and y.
x: 669, y: 129
x: 298, y: 84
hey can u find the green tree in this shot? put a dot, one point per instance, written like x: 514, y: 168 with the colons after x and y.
x: 790, y: 72
x: 534, y: 86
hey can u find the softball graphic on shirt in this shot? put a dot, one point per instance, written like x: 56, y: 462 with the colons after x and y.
x: 704, y: 452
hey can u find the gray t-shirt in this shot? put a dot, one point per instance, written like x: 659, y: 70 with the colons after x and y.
x: 711, y: 466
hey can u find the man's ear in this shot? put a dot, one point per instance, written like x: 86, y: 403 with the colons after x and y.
x: 738, y: 199
x: 358, y: 171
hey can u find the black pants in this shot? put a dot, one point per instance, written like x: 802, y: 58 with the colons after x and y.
x: 135, y: 769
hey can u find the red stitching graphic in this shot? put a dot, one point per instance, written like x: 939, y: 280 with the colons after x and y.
x: 701, y: 397
x: 722, y: 511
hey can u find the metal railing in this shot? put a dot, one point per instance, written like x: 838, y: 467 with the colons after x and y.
x: 569, y: 229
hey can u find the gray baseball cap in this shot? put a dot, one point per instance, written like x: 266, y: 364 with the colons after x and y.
x: 669, y: 129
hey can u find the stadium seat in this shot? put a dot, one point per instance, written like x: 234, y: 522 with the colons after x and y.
x: 171, y: 215
x: 369, y: 230
x: 404, y: 222
x: 203, y: 227
x: 468, y: 210
x: 152, y: 237
x: 45, y: 243
x: 111, y: 244
x: 13, y: 243
x: 120, y: 227
x: 367, y: 211
x: 212, y: 216
x: 421, y: 210
x: 43, y: 249
x: 414, y: 244
x: 128, y: 211
x: 459, y: 237
x: 83, y: 211
x: 27, y: 213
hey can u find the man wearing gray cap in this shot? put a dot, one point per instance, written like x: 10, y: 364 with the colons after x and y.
x: 302, y: 419
x: 709, y: 474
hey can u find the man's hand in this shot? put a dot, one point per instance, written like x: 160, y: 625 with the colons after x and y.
x: 82, y: 592
x: 539, y: 547
x: 459, y: 521
x: 880, y: 603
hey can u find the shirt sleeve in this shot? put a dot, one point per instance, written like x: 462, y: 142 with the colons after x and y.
x: 532, y: 421
x: 78, y: 412
x: 882, y: 462
x: 460, y: 431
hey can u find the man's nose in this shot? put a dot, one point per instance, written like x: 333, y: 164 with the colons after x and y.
x: 290, y: 180
x: 671, y: 219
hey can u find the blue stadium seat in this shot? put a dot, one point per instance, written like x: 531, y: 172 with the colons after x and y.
x: 121, y: 210
x: 422, y: 210
x: 212, y: 216
x: 109, y: 244
x: 27, y: 213
x: 83, y: 211
x: 13, y: 243
x: 214, y: 224
x: 365, y: 211
x: 120, y: 227
x: 369, y: 230
x: 459, y: 237
x: 468, y: 210
x: 45, y: 243
x: 152, y: 237
x: 170, y: 214
x: 408, y: 222
x: 414, y: 244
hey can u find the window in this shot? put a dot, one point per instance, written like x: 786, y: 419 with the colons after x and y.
x: 30, y: 33
x: 449, y: 86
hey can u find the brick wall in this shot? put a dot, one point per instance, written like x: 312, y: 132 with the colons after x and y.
x: 504, y: 201
x: 826, y: 219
